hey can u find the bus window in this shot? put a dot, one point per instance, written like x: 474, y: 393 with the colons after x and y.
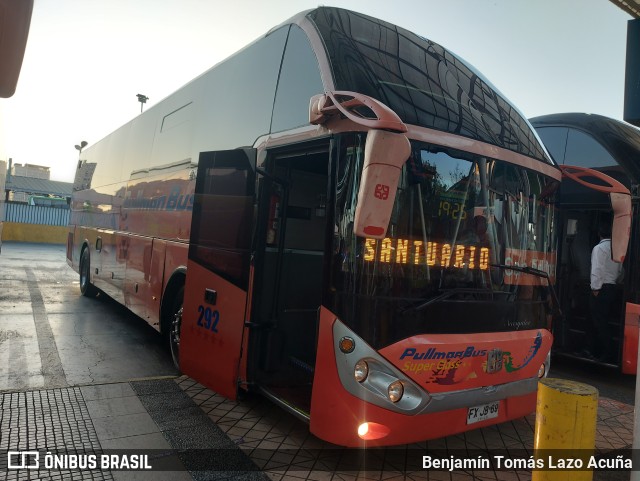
x: 555, y: 140
x: 583, y: 150
x: 299, y: 81
x: 223, y: 214
x: 455, y: 216
x: 573, y: 147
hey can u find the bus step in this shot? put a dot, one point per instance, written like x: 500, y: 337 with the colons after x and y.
x: 298, y: 409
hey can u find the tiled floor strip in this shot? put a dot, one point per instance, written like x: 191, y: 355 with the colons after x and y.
x: 251, y: 439
x: 283, y: 448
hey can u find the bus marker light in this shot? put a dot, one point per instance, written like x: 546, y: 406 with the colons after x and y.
x: 373, y: 230
x: 361, y: 370
x: 347, y: 345
x: 369, y: 431
x: 395, y: 391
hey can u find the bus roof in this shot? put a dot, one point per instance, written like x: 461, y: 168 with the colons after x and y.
x: 424, y: 83
x: 620, y: 139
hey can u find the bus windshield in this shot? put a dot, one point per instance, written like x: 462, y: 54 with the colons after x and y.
x: 458, y: 219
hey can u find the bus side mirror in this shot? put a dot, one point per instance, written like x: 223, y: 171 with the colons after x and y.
x: 621, y: 228
x: 384, y: 155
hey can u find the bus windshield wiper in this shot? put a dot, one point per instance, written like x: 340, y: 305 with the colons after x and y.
x: 525, y: 269
x: 537, y: 273
x: 445, y: 295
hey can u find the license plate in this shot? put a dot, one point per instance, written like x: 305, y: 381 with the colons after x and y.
x: 483, y: 412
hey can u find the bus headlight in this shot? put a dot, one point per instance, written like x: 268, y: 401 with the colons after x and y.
x: 395, y: 391
x: 361, y: 370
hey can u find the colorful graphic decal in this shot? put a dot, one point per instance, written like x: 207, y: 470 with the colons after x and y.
x: 443, y: 365
x: 469, y: 364
x: 533, y: 350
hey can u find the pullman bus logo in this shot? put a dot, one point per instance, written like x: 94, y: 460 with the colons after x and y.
x: 433, y: 353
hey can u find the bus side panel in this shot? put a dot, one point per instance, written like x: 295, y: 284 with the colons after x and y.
x: 145, y: 264
x: 242, y: 368
x: 630, y: 343
x: 336, y: 414
x: 156, y: 282
x: 212, y: 329
x: 70, y: 246
x: 138, y: 266
x: 82, y: 234
x: 175, y: 257
x: 110, y: 262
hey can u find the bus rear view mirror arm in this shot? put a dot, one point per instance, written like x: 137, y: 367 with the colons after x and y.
x: 384, y: 155
x: 359, y: 108
x: 386, y: 151
x: 621, y: 227
x: 620, y: 199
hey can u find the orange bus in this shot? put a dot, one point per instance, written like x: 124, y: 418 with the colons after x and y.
x: 344, y: 217
x: 612, y: 147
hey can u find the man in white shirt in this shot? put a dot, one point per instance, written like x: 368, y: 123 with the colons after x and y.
x: 605, y: 274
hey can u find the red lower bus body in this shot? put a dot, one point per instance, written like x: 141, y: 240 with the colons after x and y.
x: 630, y: 344
x: 215, y: 358
x: 336, y: 414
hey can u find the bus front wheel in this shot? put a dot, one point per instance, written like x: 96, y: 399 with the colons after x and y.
x: 175, y: 326
x: 87, y: 289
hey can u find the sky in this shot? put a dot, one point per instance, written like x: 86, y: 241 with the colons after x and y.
x: 86, y: 60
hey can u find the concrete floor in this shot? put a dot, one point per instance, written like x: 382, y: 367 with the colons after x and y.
x: 51, y: 336
x: 79, y: 373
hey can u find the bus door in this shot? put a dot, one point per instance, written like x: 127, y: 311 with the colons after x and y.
x: 215, y: 297
x: 580, y: 226
x: 583, y: 210
x: 288, y: 278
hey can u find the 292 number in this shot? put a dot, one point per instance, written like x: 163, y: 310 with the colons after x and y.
x: 208, y: 318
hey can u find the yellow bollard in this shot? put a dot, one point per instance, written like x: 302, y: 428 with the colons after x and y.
x: 566, y: 417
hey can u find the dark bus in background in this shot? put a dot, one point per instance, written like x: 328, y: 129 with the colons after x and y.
x: 611, y: 147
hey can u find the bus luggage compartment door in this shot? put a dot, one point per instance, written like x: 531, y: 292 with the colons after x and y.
x: 218, y: 269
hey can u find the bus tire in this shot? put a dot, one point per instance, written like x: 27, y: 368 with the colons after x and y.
x: 87, y: 289
x: 175, y: 325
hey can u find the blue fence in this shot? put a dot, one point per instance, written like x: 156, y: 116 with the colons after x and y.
x: 35, y: 214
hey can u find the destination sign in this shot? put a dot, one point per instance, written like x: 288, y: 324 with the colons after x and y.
x: 433, y: 254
